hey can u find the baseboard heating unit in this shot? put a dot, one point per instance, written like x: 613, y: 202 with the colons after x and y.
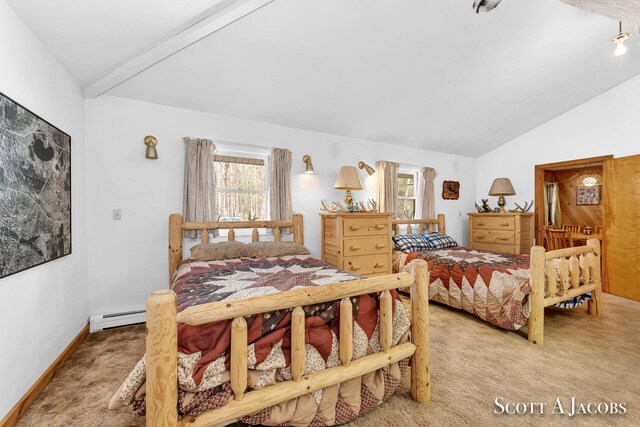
x: 98, y: 322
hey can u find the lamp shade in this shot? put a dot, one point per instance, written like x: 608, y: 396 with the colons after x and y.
x: 348, y: 179
x: 502, y: 187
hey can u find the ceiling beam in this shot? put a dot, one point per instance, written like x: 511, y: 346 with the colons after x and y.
x: 627, y: 11
x: 219, y: 16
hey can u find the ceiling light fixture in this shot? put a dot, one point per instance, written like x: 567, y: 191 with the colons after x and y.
x: 589, y: 179
x: 619, y: 40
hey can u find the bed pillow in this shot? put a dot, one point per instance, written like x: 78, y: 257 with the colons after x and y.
x: 411, y: 242
x: 222, y: 250
x: 440, y: 241
x: 276, y: 249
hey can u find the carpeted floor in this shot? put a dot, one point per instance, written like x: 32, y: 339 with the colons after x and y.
x: 595, y: 359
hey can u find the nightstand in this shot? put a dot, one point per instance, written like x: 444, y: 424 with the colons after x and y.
x: 501, y: 232
x: 359, y: 243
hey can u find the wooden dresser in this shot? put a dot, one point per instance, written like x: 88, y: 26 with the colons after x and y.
x: 359, y: 243
x: 506, y: 232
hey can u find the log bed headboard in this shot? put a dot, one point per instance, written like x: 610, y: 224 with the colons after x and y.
x: 177, y: 226
x: 430, y: 223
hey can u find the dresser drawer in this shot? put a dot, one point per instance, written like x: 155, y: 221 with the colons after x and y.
x: 365, y: 226
x: 494, y: 236
x: 368, y: 264
x: 494, y: 247
x: 366, y: 245
x: 495, y: 223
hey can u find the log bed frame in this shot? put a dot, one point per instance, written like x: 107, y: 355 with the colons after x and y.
x: 162, y: 320
x: 544, y: 275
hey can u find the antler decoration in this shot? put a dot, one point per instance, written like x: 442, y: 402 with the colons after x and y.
x: 524, y: 209
x: 372, y: 205
x: 335, y: 207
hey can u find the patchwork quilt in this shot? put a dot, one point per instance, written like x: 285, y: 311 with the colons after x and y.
x: 494, y: 286
x: 491, y: 285
x: 203, y: 350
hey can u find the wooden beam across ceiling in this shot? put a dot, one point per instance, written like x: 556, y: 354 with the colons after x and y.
x: 222, y: 14
x: 627, y: 11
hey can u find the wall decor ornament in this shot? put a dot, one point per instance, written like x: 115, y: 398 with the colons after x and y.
x: 450, y: 190
x: 588, y: 195
x: 35, y: 189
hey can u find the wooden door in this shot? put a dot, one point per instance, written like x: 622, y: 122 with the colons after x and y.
x: 621, y: 206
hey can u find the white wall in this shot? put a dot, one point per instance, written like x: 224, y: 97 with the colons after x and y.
x: 128, y: 258
x: 607, y: 124
x: 45, y: 307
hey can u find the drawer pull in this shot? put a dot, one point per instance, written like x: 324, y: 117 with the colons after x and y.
x: 480, y: 223
x: 378, y: 265
x: 381, y: 246
x: 380, y: 226
x: 354, y: 227
x: 355, y: 267
x: 355, y: 247
x: 480, y: 237
x: 504, y: 224
x: 503, y: 238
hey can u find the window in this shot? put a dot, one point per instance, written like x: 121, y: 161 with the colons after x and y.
x: 406, y: 207
x: 241, y: 188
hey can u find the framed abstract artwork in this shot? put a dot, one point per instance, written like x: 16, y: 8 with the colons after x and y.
x: 450, y: 190
x: 35, y: 189
x: 588, y: 195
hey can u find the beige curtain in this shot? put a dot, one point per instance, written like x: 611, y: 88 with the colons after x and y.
x: 387, y: 186
x: 552, y: 212
x: 199, y: 199
x: 280, y: 185
x: 556, y: 214
x: 428, y: 197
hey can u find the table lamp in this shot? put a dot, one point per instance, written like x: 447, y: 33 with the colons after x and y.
x: 502, y: 187
x: 348, y: 179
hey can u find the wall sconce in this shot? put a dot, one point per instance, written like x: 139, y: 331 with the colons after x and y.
x: 369, y: 169
x: 151, y: 142
x: 307, y: 161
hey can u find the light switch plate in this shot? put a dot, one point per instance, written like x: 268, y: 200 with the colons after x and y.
x: 117, y: 214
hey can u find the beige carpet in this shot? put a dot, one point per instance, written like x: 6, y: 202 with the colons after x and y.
x: 472, y: 363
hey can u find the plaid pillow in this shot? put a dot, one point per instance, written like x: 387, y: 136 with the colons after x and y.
x: 411, y: 242
x: 439, y: 241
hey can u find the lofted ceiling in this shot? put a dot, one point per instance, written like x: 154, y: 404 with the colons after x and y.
x: 92, y: 37
x: 432, y: 75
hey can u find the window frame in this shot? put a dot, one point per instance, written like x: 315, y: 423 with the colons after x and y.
x: 408, y: 170
x: 261, y: 153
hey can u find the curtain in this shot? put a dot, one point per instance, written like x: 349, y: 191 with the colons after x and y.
x: 552, y: 213
x: 387, y: 186
x: 199, y: 198
x: 280, y: 185
x: 428, y: 197
x: 556, y: 214
x: 547, y: 204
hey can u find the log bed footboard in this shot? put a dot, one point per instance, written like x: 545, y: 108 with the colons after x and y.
x: 162, y: 321
x: 572, y: 264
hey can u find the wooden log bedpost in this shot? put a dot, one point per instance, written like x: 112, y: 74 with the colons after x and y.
x: 298, y: 229
x: 420, y: 376
x: 594, y: 305
x: 441, y: 227
x: 537, y: 283
x: 175, y: 244
x: 161, y: 360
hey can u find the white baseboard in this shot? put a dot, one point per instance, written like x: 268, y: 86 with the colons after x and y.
x: 101, y: 321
